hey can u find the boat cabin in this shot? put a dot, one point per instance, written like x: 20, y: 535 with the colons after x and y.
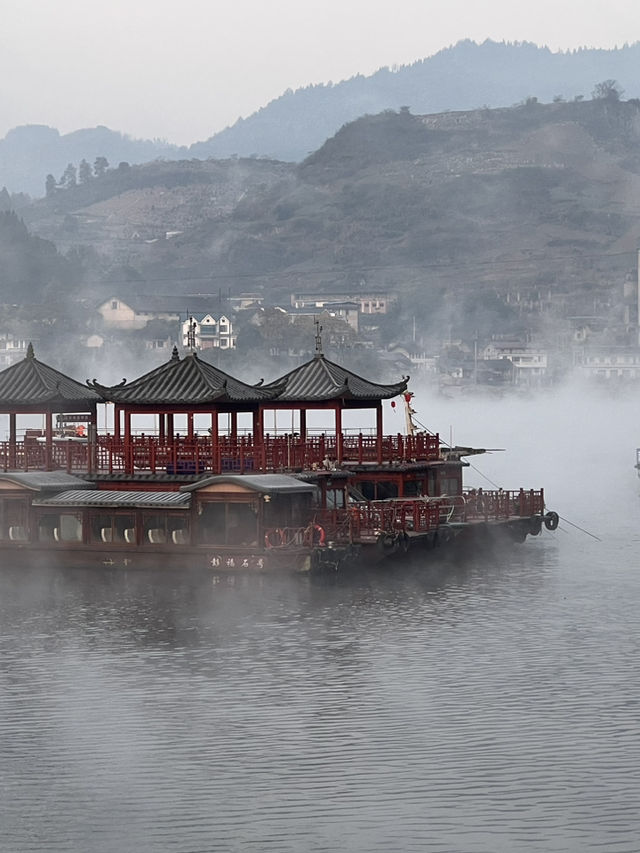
x: 234, y: 511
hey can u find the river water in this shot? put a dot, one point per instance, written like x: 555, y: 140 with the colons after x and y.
x: 480, y: 707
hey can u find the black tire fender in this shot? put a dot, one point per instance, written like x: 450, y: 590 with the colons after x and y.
x: 551, y: 520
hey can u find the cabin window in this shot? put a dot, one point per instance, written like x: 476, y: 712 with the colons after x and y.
x: 449, y: 486
x: 413, y: 489
x: 14, y: 525
x: 165, y: 528
x: 335, y: 499
x: 60, y: 527
x: 378, y: 491
x: 234, y: 524
x: 116, y: 528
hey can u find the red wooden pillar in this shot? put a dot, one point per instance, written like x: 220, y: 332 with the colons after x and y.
x: 116, y: 423
x: 162, y: 427
x: 257, y: 426
x: 215, y: 456
x: 379, y: 429
x: 234, y: 427
x: 338, y: 435
x: 13, y: 439
x: 48, y: 441
x: 303, y: 424
x: 190, y: 425
x: 170, y: 426
x: 128, y: 448
x: 92, y: 443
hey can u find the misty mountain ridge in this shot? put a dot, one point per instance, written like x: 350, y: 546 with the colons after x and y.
x: 480, y: 221
x: 463, y: 77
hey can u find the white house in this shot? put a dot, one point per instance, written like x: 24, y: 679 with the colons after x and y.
x: 621, y: 363
x: 530, y: 363
x: 208, y: 333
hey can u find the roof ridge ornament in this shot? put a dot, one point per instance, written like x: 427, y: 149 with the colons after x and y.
x: 30, y: 354
x: 174, y: 354
x: 318, y: 352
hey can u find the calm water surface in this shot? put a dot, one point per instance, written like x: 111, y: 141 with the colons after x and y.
x: 488, y: 707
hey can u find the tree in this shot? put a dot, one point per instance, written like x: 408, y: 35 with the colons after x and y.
x: 69, y: 178
x: 5, y: 200
x: 84, y: 172
x: 50, y: 186
x: 608, y: 90
x: 100, y: 166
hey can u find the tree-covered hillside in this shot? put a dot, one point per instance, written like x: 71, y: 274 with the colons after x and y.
x: 473, y: 219
x: 31, y: 269
x: 463, y: 77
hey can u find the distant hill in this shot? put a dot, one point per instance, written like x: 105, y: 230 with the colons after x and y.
x: 473, y: 218
x: 463, y: 77
x: 29, y: 153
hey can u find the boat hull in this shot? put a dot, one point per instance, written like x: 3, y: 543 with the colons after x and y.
x: 385, y: 552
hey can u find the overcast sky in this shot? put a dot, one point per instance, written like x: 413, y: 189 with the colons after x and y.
x: 183, y: 69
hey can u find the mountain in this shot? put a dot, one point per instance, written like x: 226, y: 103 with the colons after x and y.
x: 30, y: 152
x: 475, y: 219
x: 463, y: 77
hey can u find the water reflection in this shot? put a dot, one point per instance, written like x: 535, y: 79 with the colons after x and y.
x: 476, y: 707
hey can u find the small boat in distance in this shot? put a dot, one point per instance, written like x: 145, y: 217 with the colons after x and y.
x: 232, y: 500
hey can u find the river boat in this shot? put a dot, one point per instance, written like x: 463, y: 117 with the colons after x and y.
x: 224, y: 500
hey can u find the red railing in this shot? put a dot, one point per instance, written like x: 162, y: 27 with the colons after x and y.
x: 367, y: 521
x: 476, y: 505
x: 196, y: 455
x: 66, y: 455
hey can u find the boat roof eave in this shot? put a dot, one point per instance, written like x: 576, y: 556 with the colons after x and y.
x: 104, y: 499
x: 266, y: 484
x: 45, y: 481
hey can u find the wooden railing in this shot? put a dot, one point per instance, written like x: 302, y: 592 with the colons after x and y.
x: 69, y: 455
x: 475, y: 505
x: 368, y: 520
x: 226, y: 454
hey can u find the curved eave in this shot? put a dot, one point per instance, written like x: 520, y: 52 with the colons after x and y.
x: 32, y: 384
x: 53, y: 404
x: 175, y: 385
x: 321, y: 381
x: 223, y: 396
x: 371, y: 394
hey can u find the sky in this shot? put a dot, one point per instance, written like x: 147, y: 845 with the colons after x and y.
x: 182, y: 70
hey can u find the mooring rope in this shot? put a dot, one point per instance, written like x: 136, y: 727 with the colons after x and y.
x: 581, y: 529
x: 496, y: 486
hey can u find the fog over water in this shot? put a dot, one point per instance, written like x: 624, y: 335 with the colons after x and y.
x: 478, y: 707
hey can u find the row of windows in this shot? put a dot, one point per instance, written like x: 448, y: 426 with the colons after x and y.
x: 219, y: 524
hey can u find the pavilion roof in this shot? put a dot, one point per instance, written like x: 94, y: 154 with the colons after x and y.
x: 32, y: 384
x: 320, y: 379
x: 188, y: 381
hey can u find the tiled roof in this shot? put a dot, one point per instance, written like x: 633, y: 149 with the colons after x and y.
x: 320, y: 379
x: 112, y: 499
x: 267, y: 484
x: 32, y: 383
x: 45, y: 481
x: 187, y: 381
